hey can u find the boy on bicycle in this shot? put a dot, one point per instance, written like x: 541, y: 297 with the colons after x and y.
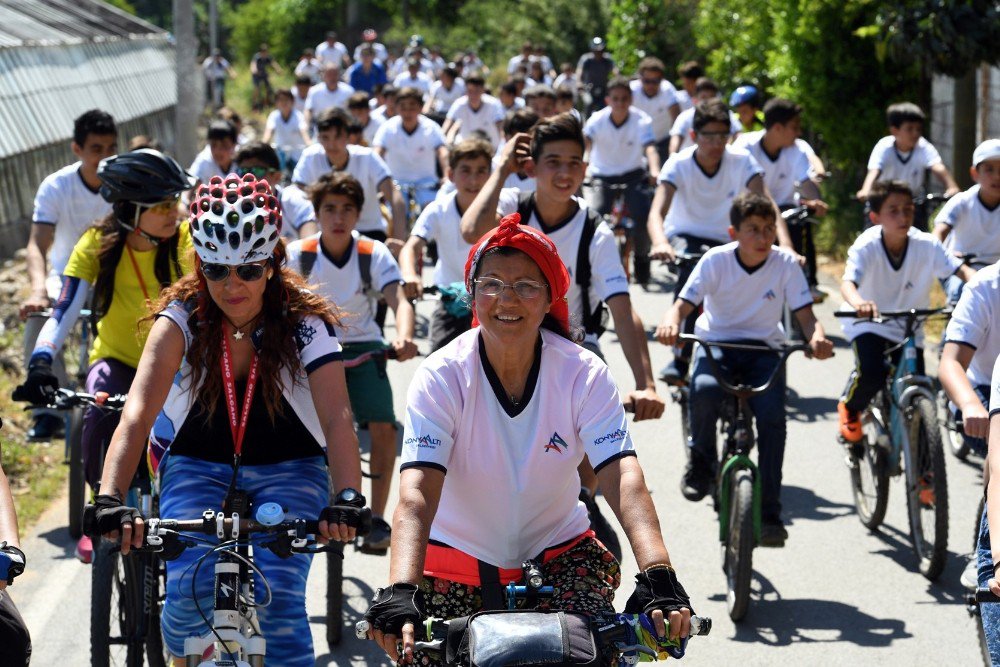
x: 334, y: 260
x: 890, y: 267
x: 744, y: 287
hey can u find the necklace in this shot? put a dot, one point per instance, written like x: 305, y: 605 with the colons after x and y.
x: 238, y: 330
x: 514, y: 400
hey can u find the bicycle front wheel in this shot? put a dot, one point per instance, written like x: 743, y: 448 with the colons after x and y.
x: 927, y: 490
x: 76, y: 479
x: 115, y: 609
x: 950, y: 435
x: 870, y: 483
x: 740, y: 543
x: 335, y: 594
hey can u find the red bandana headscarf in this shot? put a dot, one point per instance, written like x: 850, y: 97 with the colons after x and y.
x: 535, y: 245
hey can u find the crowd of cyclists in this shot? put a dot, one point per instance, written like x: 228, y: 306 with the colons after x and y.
x: 241, y: 303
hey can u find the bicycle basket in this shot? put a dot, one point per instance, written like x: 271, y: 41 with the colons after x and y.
x: 550, y: 638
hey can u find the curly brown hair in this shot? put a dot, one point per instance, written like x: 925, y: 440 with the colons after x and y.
x: 287, y: 301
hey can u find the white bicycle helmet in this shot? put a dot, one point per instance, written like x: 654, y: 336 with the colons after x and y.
x: 235, y: 221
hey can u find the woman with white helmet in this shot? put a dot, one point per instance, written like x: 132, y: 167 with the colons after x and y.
x: 240, y: 386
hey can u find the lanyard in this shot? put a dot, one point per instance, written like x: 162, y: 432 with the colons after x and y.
x: 138, y: 274
x: 237, y: 421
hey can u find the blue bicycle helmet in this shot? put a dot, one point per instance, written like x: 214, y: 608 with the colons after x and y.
x: 743, y: 95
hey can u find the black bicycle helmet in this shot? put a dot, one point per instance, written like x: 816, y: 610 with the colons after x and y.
x: 144, y: 176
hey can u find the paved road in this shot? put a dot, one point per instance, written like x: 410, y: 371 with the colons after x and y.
x: 836, y: 594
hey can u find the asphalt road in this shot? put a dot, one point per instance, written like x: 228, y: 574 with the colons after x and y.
x: 835, y: 594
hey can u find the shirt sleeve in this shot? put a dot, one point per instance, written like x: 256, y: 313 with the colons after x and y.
x: 603, y: 427
x: 995, y: 393
x: 931, y: 155
x: 646, y: 130
x: 83, y: 262
x: 677, y: 128
x: 453, y: 109
x: 507, y: 203
x: 588, y: 127
x: 607, y: 274
x: 317, y: 343
x: 438, y: 135
x: 700, y: 283
x: 432, y: 413
x: 670, y: 172
x: 379, y: 170
x: 378, y: 140
x: 970, y: 318
x: 950, y: 213
x: 945, y: 263
x: 801, y: 168
x: 271, y: 120
x: 296, y: 209
x: 46, y: 203
x: 797, y: 293
x: 752, y: 168
x: 855, y: 267
x: 385, y: 270
x: 877, y: 159
x: 425, y: 226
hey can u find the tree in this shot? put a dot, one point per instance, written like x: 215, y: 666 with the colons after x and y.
x: 661, y: 28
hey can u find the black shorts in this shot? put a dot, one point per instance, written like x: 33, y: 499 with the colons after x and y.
x: 15, y: 643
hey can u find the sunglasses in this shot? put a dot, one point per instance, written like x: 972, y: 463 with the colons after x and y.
x: 258, y: 172
x: 248, y: 273
x: 163, y: 207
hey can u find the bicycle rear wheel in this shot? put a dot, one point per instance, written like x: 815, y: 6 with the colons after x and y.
x: 76, y: 478
x: 115, y: 609
x: 927, y: 499
x: 740, y: 543
x: 335, y: 594
x: 156, y: 652
x: 870, y: 482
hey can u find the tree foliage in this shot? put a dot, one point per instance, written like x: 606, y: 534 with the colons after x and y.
x: 661, y: 28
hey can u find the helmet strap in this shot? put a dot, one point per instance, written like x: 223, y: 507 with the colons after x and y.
x: 134, y: 227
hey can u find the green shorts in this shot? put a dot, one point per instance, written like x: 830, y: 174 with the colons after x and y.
x: 368, y: 385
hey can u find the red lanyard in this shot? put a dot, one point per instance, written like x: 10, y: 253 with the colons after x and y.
x: 138, y: 274
x: 237, y: 421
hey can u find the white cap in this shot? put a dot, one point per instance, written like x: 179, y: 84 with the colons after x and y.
x: 988, y: 150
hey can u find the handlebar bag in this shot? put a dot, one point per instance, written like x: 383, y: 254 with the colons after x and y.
x: 528, y: 637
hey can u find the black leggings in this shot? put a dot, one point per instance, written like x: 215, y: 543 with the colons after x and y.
x: 871, y: 368
x: 15, y: 643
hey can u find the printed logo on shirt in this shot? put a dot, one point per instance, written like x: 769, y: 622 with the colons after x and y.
x: 615, y: 436
x: 769, y: 295
x: 617, y: 279
x: 908, y: 285
x: 424, y: 441
x: 556, y: 444
x: 304, y: 334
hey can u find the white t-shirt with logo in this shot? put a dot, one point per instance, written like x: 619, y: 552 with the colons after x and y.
x: 895, y: 288
x: 485, y: 118
x: 910, y: 167
x: 287, y: 132
x: 411, y: 156
x: 341, y: 284
x: 64, y: 201
x: 973, y: 323
x: 511, y: 488
x: 617, y: 149
x: 331, y: 54
x: 321, y: 98
x: 745, y: 303
x: 364, y: 164
x: 790, y: 166
x: 607, y: 277
x: 656, y: 107
x: 974, y: 228
x: 439, y: 222
x: 421, y: 82
x: 701, y: 203
x: 444, y: 98
x: 204, y: 167
x: 685, y: 123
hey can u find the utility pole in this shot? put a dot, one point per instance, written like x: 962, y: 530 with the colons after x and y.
x: 188, y: 102
x: 213, y: 25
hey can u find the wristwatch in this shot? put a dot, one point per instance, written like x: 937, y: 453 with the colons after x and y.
x: 350, y: 497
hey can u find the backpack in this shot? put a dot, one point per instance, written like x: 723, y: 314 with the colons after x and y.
x: 594, y: 319
x: 364, y: 247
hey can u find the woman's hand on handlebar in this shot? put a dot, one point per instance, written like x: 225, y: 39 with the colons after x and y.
x: 405, y: 349
x: 113, y: 520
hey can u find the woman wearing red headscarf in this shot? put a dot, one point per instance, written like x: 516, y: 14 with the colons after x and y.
x: 496, y: 424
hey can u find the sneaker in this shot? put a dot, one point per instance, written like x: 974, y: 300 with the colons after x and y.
x: 695, y: 485
x: 85, y: 550
x: 773, y: 533
x: 602, y: 529
x: 850, y: 424
x: 675, y: 373
x: 45, y: 428
x: 377, y: 540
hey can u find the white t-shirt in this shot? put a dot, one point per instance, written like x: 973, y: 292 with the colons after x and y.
x: 381, y: 53
x: 656, y: 107
x: 973, y: 323
x: 995, y: 390
x: 299, y: 102
x: 204, y: 167
x: 287, y: 132
x: 321, y: 98
x: 516, y: 62
x: 331, y: 54
x: 444, y: 98
x: 685, y: 123
x: 781, y: 173
x: 421, y: 81
x: 341, y: 284
x: 66, y: 202
x: 892, y: 288
x: 309, y: 67
x: 909, y: 167
x: 411, y: 156
x: 296, y: 210
x: 617, y: 149
x: 511, y: 488
x: 565, y: 80
x: 215, y: 69
x: 374, y: 122
x: 439, y: 222
x: 974, y: 228
x: 701, y: 204
x: 744, y: 303
x: 607, y: 277
x: 485, y: 118
x: 363, y: 164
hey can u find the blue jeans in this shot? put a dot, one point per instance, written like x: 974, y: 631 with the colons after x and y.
x: 990, y: 611
x: 953, y: 286
x: 978, y: 445
x: 768, y: 409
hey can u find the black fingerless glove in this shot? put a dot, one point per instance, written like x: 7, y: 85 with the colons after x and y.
x: 356, y: 517
x: 40, y: 385
x: 395, y: 606
x: 107, y: 515
x: 657, y: 588
x: 12, y: 562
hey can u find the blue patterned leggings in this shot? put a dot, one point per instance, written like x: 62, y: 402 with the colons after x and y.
x: 190, y: 486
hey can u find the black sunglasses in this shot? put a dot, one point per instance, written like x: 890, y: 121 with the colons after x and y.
x: 248, y: 273
x: 258, y: 172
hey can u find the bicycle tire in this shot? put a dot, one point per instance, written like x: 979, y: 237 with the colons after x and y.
x: 335, y: 594
x: 928, y: 454
x: 951, y: 436
x: 870, y: 484
x: 115, y: 608
x: 156, y: 651
x: 740, y: 543
x: 76, y: 479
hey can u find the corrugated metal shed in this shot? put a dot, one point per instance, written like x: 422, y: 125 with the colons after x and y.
x: 59, y: 58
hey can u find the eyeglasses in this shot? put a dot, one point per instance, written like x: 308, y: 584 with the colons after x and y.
x: 258, y: 172
x: 163, y: 207
x: 651, y: 82
x: 526, y: 289
x: 248, y: 273
x: 715, y: 137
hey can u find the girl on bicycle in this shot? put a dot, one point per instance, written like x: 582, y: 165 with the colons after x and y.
x: 496, y: 424
x: 240, y: 386
x: 125, y: 260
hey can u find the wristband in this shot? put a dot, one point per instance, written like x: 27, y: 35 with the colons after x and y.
x: 12, y: 562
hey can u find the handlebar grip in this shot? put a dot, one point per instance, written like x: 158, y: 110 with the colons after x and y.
x: 986, y: 595
x: 701, y: 626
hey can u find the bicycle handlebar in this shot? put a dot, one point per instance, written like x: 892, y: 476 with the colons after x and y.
x: 784, y: 351
x: 67, y: 399
x: 895, y: 314
x: 387, y: 353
